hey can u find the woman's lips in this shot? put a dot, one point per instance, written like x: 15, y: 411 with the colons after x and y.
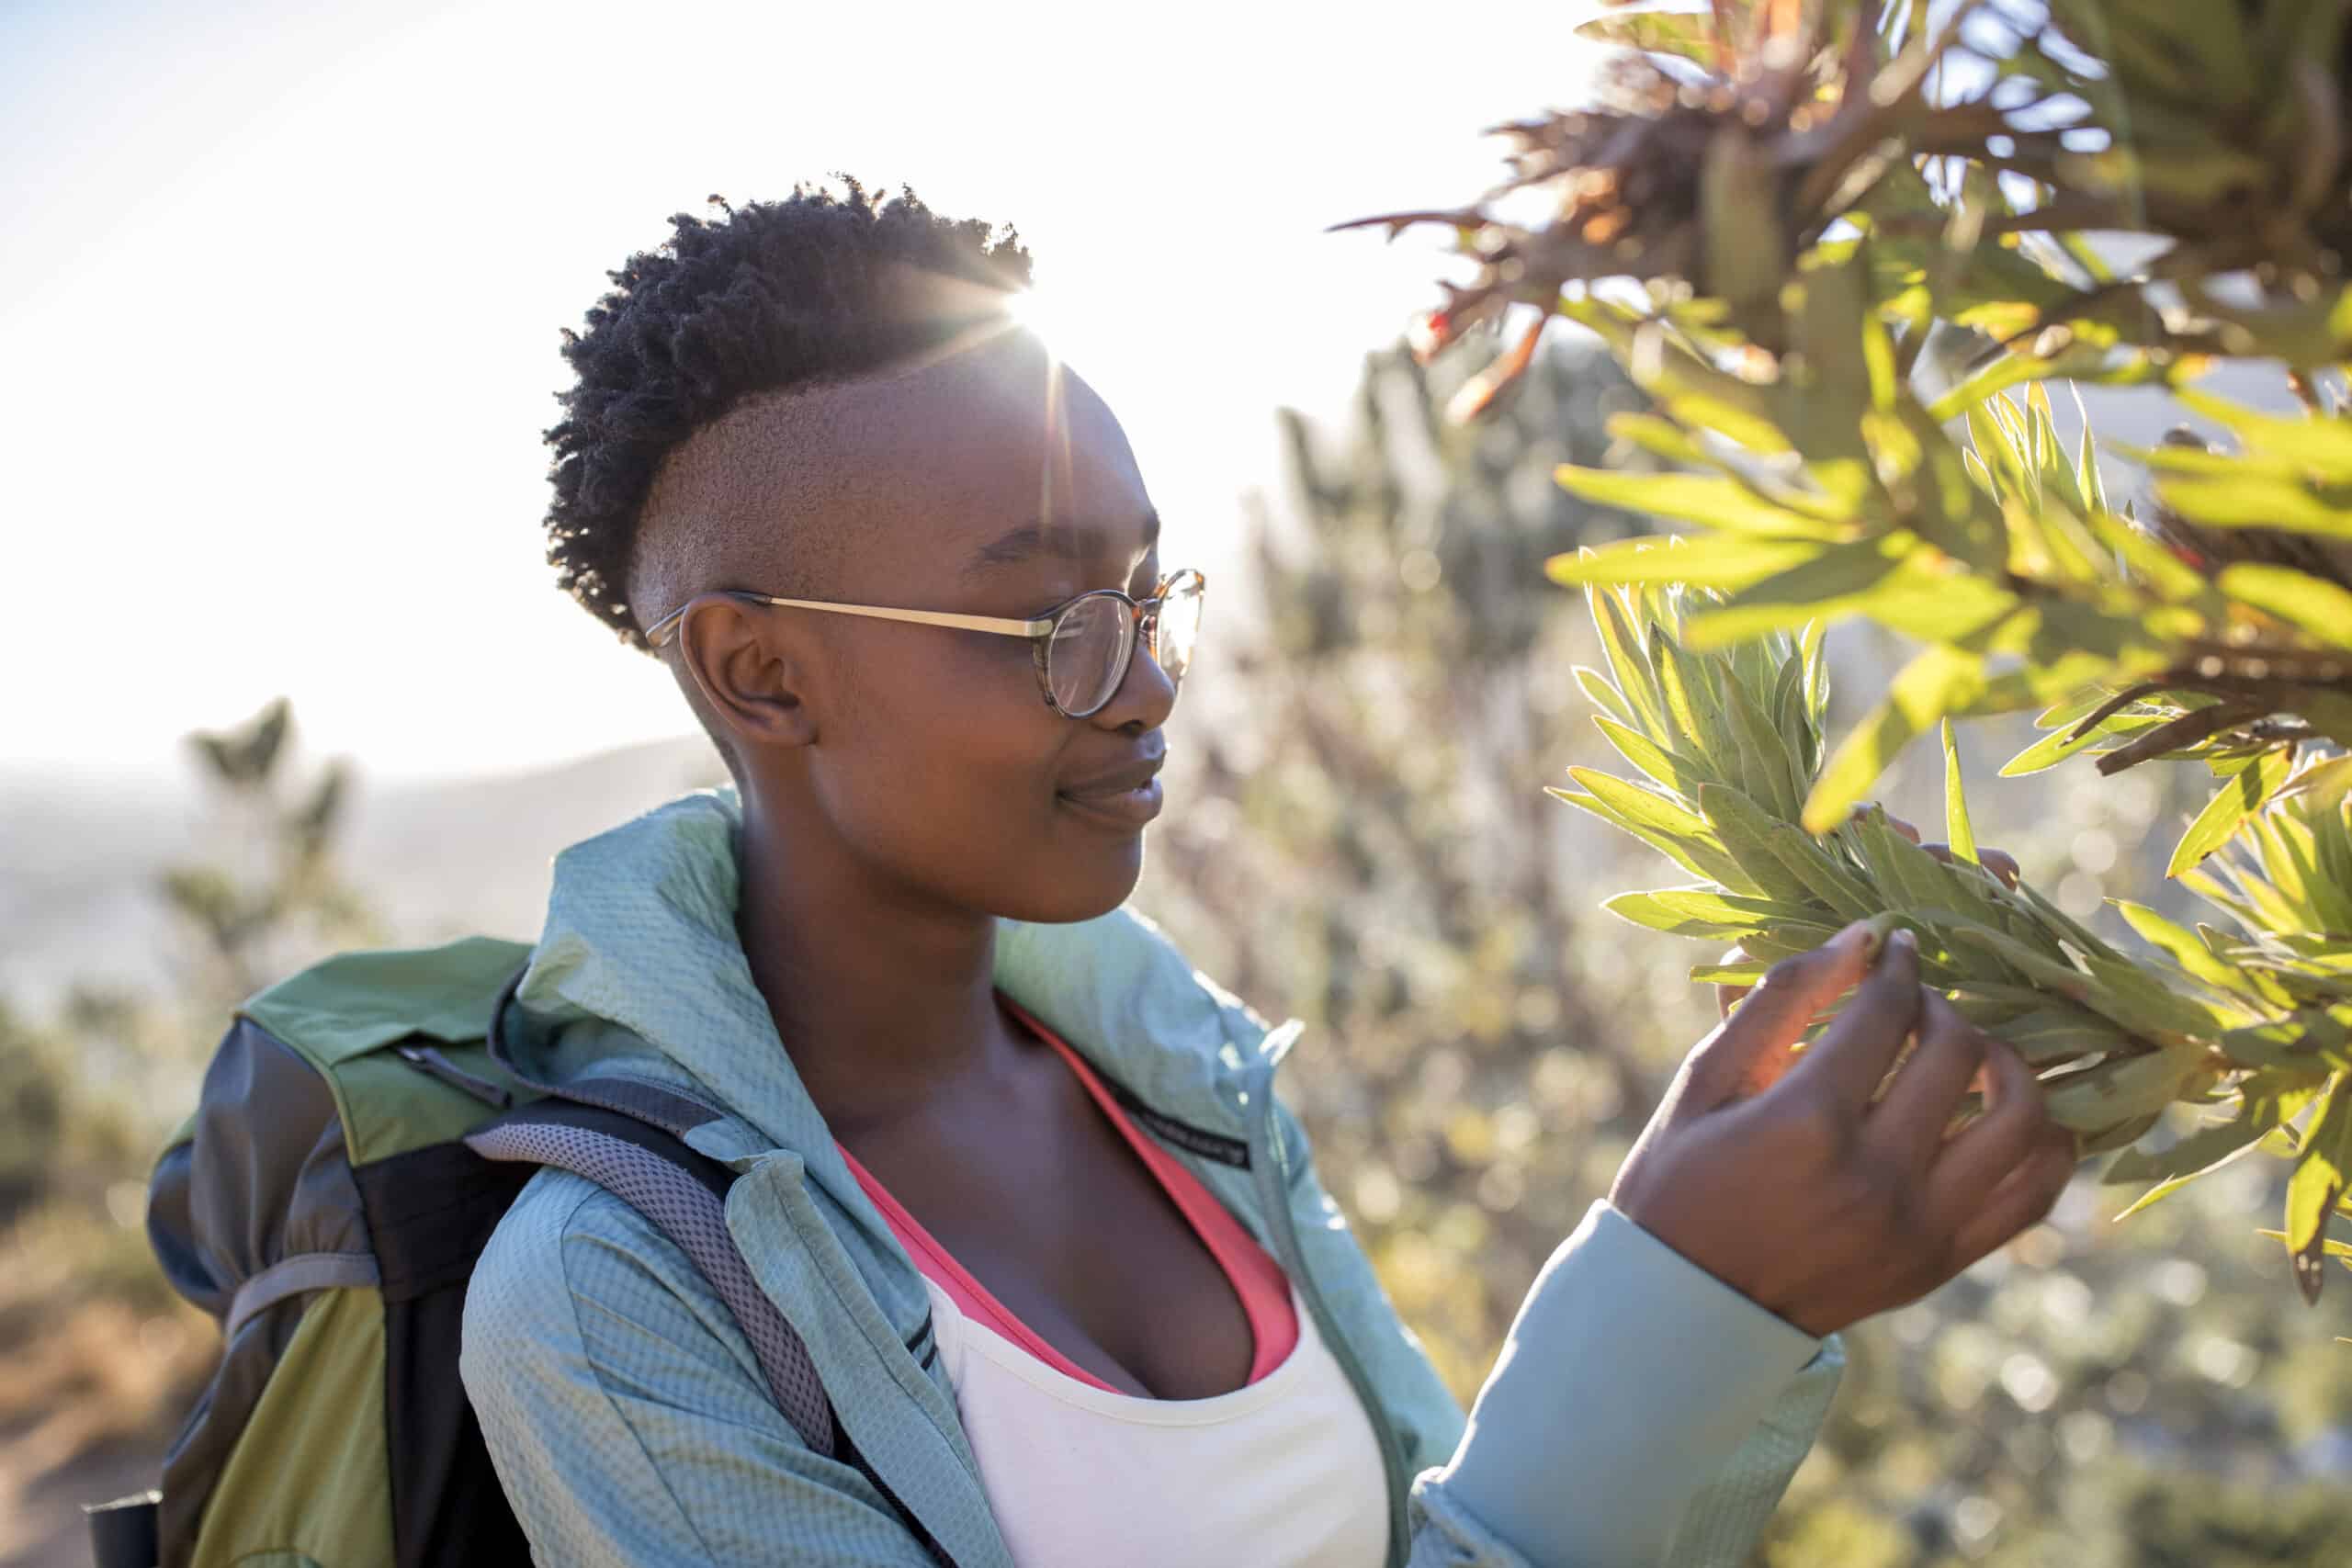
x: 1124, y: 808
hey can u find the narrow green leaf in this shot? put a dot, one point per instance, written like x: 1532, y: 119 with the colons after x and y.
x: 1694, y: 391
x: 1937, y: 680
x: 2060, y: 744
x: 1658, y: 32
x: 2072, y: 710
x: 1771, y: 774
x: 1745, y: 829
x: 1677, y: 772
x: 1825, y: 582
x: 1957, y: 831
x: 2050, y: 1035
x: 2320, y: 608
x: 1660, y: 437
x: 1636, y: 804
x: 2179, y: 944
x: 2319, y: 1174
x: 2322, y: 447
x: 2232, y: 804
x: 2094, y: 489
x: 1647, y: 910
x: 1811, y: 861
x: 2329, y: 1245
x: 2117, y: 1092
x: 2200, y: 1154
x: 1909, y: 878
x: 1949, y: 507
x: 1709, y: 560
x: 1702, y: 681
x: 1636, y: 683
x: 1717, y: 500
x: 2156, y: 1007
x: 1817, y: 666
x: 1699, y: 856
x: 1678, y: 678
x: 1727, y: 909
x: 1925, y: 600
x: 1794, y: 719
x: 2064, y: 925
x: 2208, y: 887
x: 2007, y: 372
x: 1596, y: 686
x: 2305, y: 1042
x: 2252, y: 501
x: 2150, y: 562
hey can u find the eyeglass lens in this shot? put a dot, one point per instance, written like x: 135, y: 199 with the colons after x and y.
x: 1087, y: 656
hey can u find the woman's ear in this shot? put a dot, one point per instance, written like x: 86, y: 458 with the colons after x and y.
x: 748, y: 672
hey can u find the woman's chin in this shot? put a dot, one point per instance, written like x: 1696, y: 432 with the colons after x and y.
x: 1082, y: 892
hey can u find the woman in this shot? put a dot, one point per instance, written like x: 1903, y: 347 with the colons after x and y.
x: 1011, y: 1168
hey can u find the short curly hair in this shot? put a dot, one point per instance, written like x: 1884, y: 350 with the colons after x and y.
x: 775, y: 294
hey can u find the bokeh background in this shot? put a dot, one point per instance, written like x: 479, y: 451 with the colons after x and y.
x: 280, y: 290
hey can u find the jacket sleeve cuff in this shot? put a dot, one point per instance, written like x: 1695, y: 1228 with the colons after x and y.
x: 1628, y: 1379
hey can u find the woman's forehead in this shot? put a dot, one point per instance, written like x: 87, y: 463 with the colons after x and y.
x: 982, y: 463
x: 917, y: 481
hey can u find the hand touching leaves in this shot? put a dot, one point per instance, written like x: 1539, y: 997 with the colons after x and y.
x: 1793, y: 1178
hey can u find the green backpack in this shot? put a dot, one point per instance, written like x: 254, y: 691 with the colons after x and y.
x: 358, y: 1136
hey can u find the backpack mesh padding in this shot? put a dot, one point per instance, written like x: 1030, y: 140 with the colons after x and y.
x: 693, y: 1217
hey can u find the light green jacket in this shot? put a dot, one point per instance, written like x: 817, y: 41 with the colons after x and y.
x: 1640, y: 1412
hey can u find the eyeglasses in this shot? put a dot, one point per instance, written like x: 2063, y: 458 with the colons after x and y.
x: 1083, y: 646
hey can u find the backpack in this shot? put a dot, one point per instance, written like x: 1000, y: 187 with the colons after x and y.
x: 359, y: 1134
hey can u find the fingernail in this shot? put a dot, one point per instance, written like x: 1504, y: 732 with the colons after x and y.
x: 1904, y: 939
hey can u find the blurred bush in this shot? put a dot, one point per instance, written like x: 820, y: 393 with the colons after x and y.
x: 97, y: 1356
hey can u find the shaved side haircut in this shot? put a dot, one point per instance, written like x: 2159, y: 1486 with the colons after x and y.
x: 744, y: 316
x: 772, y: 297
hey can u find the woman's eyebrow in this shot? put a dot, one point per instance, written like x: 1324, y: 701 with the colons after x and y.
x: 1032, y: 539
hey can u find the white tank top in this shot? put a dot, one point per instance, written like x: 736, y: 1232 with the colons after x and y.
x: 1283, y: 1472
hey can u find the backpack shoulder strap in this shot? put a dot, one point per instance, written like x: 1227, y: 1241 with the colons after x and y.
x: 684, y: 1192
x: 629, y: 1139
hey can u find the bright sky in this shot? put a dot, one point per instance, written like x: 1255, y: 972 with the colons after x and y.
x: 280, y: 285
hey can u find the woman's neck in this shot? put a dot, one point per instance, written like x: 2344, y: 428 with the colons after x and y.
x: 884, y: 1007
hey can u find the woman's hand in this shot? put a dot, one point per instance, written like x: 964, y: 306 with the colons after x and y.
x: 1787, y: 1181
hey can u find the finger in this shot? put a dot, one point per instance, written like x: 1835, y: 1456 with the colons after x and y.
x: 1749, y: 1049
x: 1900, y: 826
x: 1973, y: 1160
x: 1909, y: 1121
x: 2022, y: 1199
x: 1728, y: 995
x: 1853, y: 1054
x: 1996, y: 860
x: 2000, y: 862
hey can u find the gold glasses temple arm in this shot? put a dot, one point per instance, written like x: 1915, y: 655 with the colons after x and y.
x: 660, y: 631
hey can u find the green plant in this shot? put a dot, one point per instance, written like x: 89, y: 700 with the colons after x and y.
x: 1840, y: 246
x: 1728, y: 744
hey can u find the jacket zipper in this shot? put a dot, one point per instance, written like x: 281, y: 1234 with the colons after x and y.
x: 1270, y: 1164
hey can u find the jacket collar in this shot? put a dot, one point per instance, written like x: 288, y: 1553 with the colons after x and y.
x: 639, y: 972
